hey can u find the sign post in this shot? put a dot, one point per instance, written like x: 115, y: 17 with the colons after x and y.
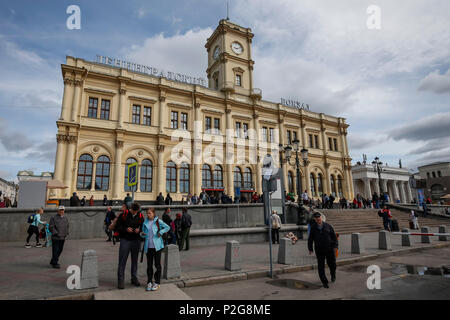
x: 132, y: 178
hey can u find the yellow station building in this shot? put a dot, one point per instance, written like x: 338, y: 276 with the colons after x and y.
x: 176, y: 127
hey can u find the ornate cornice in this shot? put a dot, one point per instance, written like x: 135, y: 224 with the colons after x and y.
x: 68, y: 81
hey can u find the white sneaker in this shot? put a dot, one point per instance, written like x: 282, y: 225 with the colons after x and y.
x: 155, y: 287
x: 149, y: 286
x: 27, y: 246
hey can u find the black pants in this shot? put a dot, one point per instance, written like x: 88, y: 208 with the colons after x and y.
x: 33, y: 230
x: 57, y: 248
x: 331, y: 262
x: 184, y: 238
x: 127, y: 246
x: 275, y: 235
x: 152, y: 254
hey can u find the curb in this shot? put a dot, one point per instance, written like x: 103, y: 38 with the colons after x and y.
x: 254, y: 274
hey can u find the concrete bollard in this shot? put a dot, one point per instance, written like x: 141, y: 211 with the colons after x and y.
x: 89, y: 270
x: 406, y: 240
x: 172, y: 267
x: 442, y: 229
x: 384, y: 240
x: 425, y: 239
x: 286, y: 251
x: 357, y: 247
x: 232, y: 256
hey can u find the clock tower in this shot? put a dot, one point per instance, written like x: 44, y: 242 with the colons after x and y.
x: 230, y: 64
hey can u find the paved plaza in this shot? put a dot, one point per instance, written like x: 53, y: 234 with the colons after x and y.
x: 26, y: 273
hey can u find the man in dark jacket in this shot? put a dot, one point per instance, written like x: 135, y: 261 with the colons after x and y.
x: 129, y: 226
x: 59, y: 227
x: 160, y: 199
x: 109, y: 218
x: 74, y: 200
x: 186, y: 222
x: 168, y: 237
x: 325, y: 243
x: 168, y: 201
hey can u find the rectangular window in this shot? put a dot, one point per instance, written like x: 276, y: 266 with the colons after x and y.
x: 184, y: 121
x: 147, y: 120
x: 104, y: 111
x: 335, y: 144
x: 330, y: 145
x: 271, y: 135
x: 264, y: 134
x: 174, y: 120
x: 238, y: 130
x: 93, y: 104
x: 136, y: 114
x: 311, y: 145
x: 238, y: 80
x: 208, y: 124
x: 246, y: 130
x: 295, y: 135
x: 216, y: 125
x: 316, y: 140
x: 216, y: 81
x: 289, y: 141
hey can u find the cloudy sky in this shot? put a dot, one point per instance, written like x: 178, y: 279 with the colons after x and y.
x: 391, y: 84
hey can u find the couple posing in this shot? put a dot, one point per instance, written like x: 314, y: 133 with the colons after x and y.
x: 133, y: 227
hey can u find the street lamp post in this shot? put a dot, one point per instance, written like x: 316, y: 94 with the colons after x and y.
x: 377, y: 168
x: 304, y: 157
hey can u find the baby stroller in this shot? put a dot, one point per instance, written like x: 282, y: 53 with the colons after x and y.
x: 47, y: 235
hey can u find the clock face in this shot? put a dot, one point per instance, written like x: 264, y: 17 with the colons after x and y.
x: 216, y: 53
x: 236, y: 47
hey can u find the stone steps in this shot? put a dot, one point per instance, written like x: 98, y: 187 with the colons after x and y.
x: 350, y: 221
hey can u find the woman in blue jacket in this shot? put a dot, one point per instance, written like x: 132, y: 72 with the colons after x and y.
x: 152, y: 231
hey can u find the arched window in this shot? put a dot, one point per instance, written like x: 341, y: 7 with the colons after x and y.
x: 171, y: 177
x: 146, y: 176
x: 102, y: 173
x: 184, y: 177
x: 313, y: 184
x: 218, y: 177
x: 290, y: 182
x: 339, y: 185
x: 320, y: 184
x: 127, y: 188
x: 237, y: 177
x: 248, y: 181
x: 84, y: 178
x: 333, y: 185
x: 206, y: 176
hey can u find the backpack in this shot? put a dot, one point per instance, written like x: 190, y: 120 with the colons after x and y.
x: 380, y: 213
x: 31, y: 218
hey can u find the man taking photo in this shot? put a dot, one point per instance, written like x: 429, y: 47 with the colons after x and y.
x: 325, y: 245
x: 129, y: 225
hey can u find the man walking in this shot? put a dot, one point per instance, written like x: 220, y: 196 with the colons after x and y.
x: 325, y: 245
x: 109, y: 218
x: 129, y: 226
x: 186, y: 222
x: 59, y: 227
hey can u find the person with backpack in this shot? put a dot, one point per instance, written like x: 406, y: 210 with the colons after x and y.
x: 152, y: 231
x: 59, y: 227
x: 170, y: 236
x: 129, y: 226
x: 34, y: 220
x: 109, y: 218
x: 387, y: 218
x: 186, y: 222
x: 276, y: 226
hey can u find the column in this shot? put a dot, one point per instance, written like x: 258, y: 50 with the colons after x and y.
x: 94, y: 168
x: 281, y: 152
x: 348, y: 182
x: 303, y: 132
x: 117, y: 171
x: 60, y: 160
x: 402, y: 192
x: 67, y: 99
x: 308, y: 181
x: 384, y: 185
x: 327, y: 189
x: 197, y: 150
x: 395, y: 189
x: 162, y: 109
x: 76, y: 99
x: 161, y: 180
x: 367, y: 189
x: 258, y: 165
x: 408, y: 190
x: 228, y: 167
x: 69, y: 167
x: 122, y: 106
